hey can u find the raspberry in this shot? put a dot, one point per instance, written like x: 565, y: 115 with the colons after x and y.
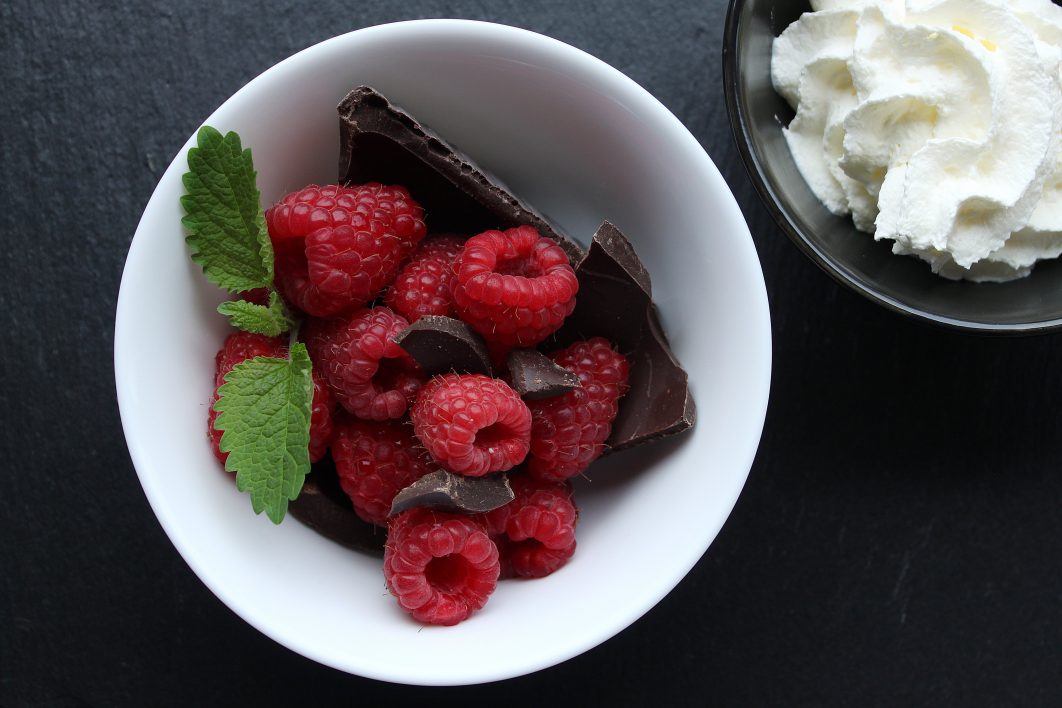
x: 241, y: 346
x: 370, y: 375
x: 337, y: 247
x: 570, y: 430
x: 321, y: 427
x: 536, y: 529
x: 374, y: 462
x: 259, y: 296
x: 441, y: 567
x: 423, y: 285
x: 472, y: 424
x: 514, y: 287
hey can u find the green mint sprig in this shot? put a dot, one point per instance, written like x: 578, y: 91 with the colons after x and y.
x: 270, y: 320
x: 264, y: 411
x: 264, y: 405
x: 223, y: 214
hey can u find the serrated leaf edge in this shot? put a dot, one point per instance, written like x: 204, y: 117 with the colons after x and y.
x: 275, y: 313
x: 209, y: 137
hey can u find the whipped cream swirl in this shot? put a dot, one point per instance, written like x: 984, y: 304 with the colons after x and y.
x: 935, y: 124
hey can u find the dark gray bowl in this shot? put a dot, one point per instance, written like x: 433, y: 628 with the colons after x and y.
x: 901, y: 283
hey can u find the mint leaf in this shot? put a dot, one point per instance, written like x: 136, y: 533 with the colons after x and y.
x: 270, y: 320
x: 264, y: 408
x: 223, y: 214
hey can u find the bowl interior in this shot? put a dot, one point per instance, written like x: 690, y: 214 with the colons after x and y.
x: 904, y: 284
x: 582, y: 143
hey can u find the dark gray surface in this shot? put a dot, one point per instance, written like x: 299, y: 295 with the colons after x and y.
x: 898, y: 541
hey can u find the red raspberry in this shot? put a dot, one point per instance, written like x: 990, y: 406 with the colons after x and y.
x: 441, y: 567
x: 536, y: 529
x: 337, y: 247
x: 570, y: 430
x: 321, y: 427
x: 375, y: 461
x: 423, y: 285
x: 514, y: 287
x: 472, y: 424
x: 370, y: 375
x: 241, y: 346
x: 259, y: 296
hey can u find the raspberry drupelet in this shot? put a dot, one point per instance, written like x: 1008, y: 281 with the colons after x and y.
x: 375, y: 461
x: 569, y: 431
x: 423, y: 284
x: 336, y: 247
x: 535, y: 532
x: 472, y: 424
x: 514, y: 287
x: 440, y: 567
x: 372, y: 377
x: 241, y: 346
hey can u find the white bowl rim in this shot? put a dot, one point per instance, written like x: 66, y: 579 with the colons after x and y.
x: 759, y: 393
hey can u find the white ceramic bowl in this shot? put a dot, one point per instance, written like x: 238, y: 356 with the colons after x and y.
x: 581, y: 142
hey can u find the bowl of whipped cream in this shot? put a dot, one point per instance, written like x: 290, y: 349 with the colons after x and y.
x: 912, y: 149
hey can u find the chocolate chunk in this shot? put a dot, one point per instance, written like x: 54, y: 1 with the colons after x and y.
x: 324, y: 507
x: 446, y: 491
x: 443, y: 344
x: 536, y: 376
x: 379, y: 142
x: 615, y: 301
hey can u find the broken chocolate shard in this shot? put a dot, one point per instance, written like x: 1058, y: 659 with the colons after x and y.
x: 615, y: 302
x: 447, y: 491
x: 380, y: 142
x: 329, y: 512
x: 536, y: 376
x: 440, y: 345
x: 658, y: 402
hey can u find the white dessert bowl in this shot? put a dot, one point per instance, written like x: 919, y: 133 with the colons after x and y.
x: 582, y: 143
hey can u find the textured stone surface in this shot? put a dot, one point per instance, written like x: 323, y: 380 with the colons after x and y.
x: 898, y: 540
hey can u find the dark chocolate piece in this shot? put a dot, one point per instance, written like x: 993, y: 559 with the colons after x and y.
x: 536, y: 376
x: 379, y: 142
x: 446, y: 491
x: 329, y: 512
x: 615, y: 301
x: 442, y: 344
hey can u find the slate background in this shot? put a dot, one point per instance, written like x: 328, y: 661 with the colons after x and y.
x: 899, y: 540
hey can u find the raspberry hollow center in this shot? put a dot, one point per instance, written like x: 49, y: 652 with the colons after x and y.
x: 390, y: 374
x: 493, y: 436
x: 447, y: 574
x: 520, y: 266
